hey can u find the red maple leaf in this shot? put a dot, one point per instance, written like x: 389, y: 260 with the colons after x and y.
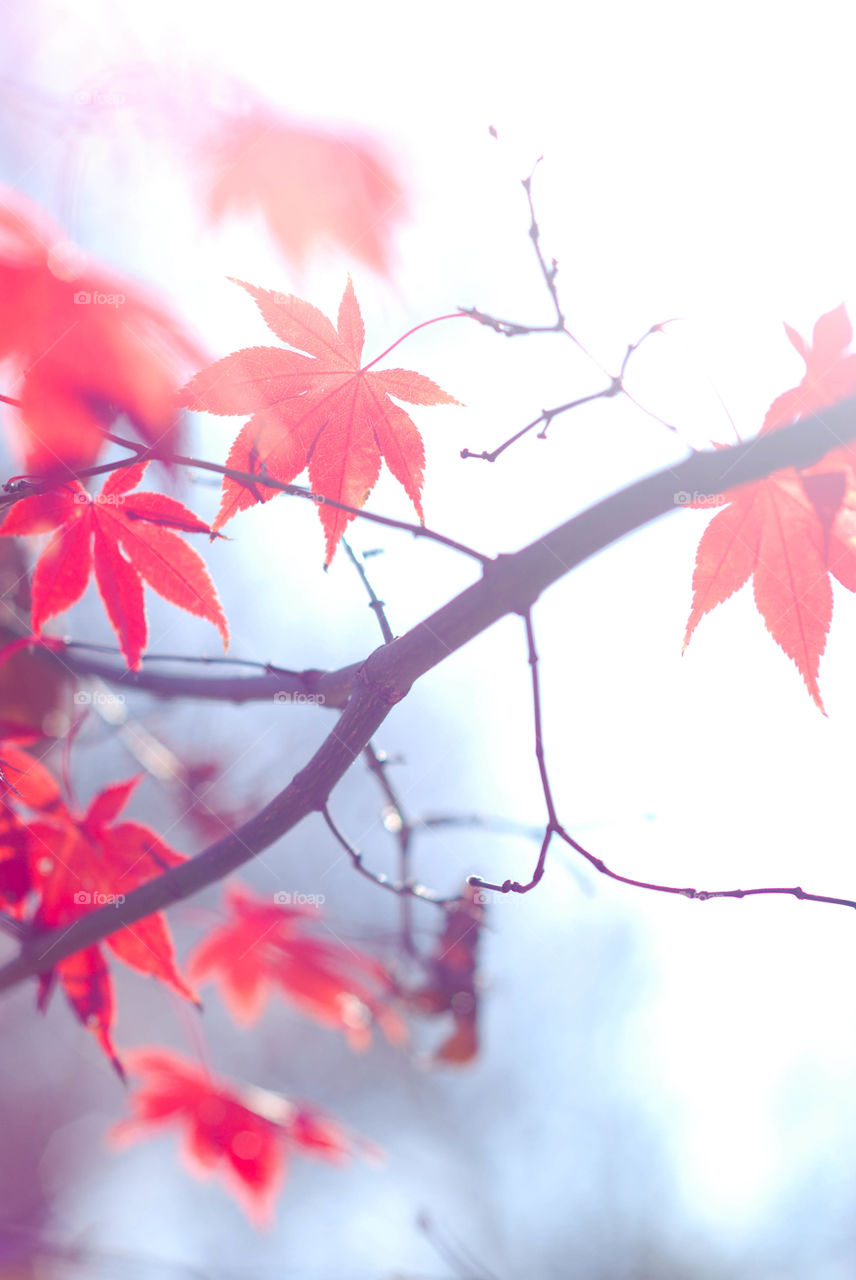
x: 127, y: 538
x: 245, y: 1135
x: 790, y: 531
x: 78, y: 863
x: 84, y: 347
x: 310, y: 186
x: 266, y: 946
x: 320, y: 410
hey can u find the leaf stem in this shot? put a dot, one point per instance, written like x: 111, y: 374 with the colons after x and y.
x: 453, y: 315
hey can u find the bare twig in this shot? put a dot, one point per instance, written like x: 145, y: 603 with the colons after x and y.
x: 374, y: 603
x: 555, y: 828
x: 402, y: 888
x: 18, y: 489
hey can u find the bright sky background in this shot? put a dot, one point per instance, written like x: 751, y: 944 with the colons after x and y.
x: 697, y: 164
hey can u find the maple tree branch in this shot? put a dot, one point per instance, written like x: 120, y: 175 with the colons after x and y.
x: 512, y: 330
x: 375, y: 604
x: 28, y: 486
x: 14, y: 928
x: 377, y: 765
x: 554, y: 828
x: 546, y: 416
x: 549, y: 272
x: 510, y: 584
x: 330, y: 689
x: 401, y: 888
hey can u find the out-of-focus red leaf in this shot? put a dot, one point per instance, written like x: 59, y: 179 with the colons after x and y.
x: 267, y: 946
x: 244, y: 1135
x: 320, y: 410
x: 452, y: 982
x: 134, y: 540
x: 82, y: 347
x: 313, y: 188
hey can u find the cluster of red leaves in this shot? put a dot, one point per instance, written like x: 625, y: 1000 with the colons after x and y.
x: 452, y: 985
x: 792, y: 530
x: 83, y: 347
x: 247, y: 1136
x: 268, y: 946
x: 314, y: 405
x: 126, y: 538
x: 56, y: 867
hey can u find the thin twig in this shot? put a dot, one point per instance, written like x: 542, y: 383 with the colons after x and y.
x: 399, y: 887
x: 374, y: 603
x: 555, y: 828
x: 377, y: 765
x: 151, y: 453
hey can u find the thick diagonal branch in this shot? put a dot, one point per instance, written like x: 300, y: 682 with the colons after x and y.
x: 509, y: 584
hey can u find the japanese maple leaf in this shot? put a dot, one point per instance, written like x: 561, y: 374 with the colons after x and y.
x: 310, y: 186
x: 245, y: 1135
x: 126, y: 538
x: 267, y: 946
x: 452, y: 983
x: 315, y: 406
x: 790, y: 531
x: 78, y: 863
x: 83, y: 347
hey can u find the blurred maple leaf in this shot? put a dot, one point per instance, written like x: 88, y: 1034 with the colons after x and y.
x: 315, y: 187
x: 83, y: 346
x: 452, y: 985
x: 311, y: 186
x: 245, y: 1135
x: 266, y: 946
